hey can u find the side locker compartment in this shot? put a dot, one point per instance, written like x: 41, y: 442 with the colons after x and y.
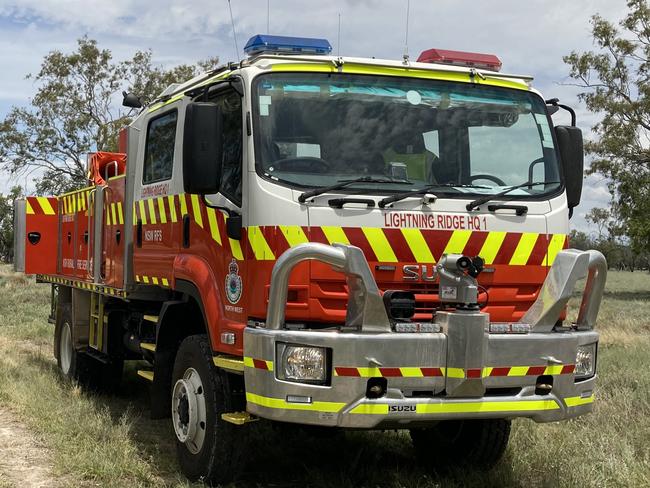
x: 68, y: 238
x: 82, y: 240
x: 37, y: 248
x: 113, y: 234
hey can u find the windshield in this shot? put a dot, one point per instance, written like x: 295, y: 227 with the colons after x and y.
x: 315, y: 130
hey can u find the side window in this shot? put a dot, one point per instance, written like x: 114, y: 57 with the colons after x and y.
x: 231, y: 178
x: 159, y: 151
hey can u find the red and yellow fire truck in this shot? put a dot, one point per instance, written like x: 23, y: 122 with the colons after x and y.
x: 330, y: 241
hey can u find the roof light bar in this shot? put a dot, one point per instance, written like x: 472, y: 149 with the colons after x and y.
x: 286, y: 45
x: 488, y: 62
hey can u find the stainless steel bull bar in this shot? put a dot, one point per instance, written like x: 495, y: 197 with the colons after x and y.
x: 365, y: 310
x: 569, y: 266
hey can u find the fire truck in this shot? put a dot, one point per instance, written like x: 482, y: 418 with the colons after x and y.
x: 338, y: 242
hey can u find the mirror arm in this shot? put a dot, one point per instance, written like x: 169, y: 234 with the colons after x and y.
x: 555, y: 102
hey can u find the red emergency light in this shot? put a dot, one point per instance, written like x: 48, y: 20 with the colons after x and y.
x: 460, y: 58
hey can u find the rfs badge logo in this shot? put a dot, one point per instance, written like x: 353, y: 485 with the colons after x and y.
x: 233, y: 283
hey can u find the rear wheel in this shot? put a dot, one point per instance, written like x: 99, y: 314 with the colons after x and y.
x: 208, y: 448
x: 78, y: 366
x: 450, y: 443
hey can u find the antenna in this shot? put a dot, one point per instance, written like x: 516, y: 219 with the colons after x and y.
x: 268, y: 16
x: 234, y: 33
x: 406, y: 40
x: 338, y: 40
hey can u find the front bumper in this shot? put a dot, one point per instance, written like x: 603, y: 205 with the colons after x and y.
x: 418, y: 375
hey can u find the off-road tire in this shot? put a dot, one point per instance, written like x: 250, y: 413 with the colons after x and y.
x: 73, y: 364
x: 219, y: 457
x: 479, y: 443
x: 80, y: 367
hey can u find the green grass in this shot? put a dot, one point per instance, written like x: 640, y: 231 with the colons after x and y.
x: 109, y: 441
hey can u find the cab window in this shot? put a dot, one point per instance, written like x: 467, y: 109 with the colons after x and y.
x: 159, y: 150
x: 231, y: 177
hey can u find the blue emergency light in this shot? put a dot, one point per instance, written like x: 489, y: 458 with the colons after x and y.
x: 262, y: 43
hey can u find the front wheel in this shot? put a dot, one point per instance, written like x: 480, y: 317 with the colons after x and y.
x: 207, y: 447
x: 480, y: 443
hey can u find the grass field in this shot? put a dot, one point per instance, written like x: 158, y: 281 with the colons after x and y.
x: 99, y: 440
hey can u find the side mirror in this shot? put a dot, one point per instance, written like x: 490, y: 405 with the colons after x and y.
x: 569, y: 139
x: 202, y: 148
x: 131, y: 100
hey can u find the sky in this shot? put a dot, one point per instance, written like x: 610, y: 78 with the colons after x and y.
x: 530, y: 37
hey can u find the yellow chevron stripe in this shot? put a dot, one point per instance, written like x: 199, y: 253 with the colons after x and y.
x: 161, y: 210
x: 418, y: 245
x: 154, y: 280
x: 145, y: 279
x: 80, y: 201
x: 214, y: 227
x: 458, y: 241
x: 108, y: 215
x: 182, y: 200
x: 114, y: 213
x: 294, y: 234
x: 411, y: 372
x: 28, y: 208
x: 196, y: 210
x: 335, y: 234
x: 143, y: 213
x: 165, y: 282
x: 491, y: 246
x: 45, y: 205
x: 120, y: 215
x: 524, y: 248
x: 135, y: 216
x: 73, y: 203
x: 259, y: 245
x: 380, y: 244
x: 554, y: 246
x: 518, y: 371
x: 152, y: 211
x: 235, y: 247
x: 172, y: 208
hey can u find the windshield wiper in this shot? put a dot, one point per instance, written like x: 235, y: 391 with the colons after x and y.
x: 481, y: 200
x: 343, y: 183
x: 401, y: 196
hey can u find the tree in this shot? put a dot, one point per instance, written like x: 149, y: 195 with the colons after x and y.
x: 616, y: 79
x: 77, y: 109
x: 7, y: 224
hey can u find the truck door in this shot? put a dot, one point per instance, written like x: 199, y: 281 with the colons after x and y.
x: 159, y: 202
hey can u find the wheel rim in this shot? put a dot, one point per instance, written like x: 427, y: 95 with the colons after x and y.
x: 65, y: 348
x: 188, y: 410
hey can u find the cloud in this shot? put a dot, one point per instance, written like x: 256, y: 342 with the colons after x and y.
x: 530, y: 37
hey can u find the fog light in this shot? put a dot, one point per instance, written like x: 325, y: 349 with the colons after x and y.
x: 303, y: 363
x: 586, y: 360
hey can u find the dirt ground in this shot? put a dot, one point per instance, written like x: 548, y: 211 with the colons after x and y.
x: 24, y: 461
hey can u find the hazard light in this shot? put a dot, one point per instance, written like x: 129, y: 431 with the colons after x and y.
x: 460, y: 58
x: 286, y: 45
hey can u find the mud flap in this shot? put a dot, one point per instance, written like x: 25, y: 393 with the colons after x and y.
x: 36, y: 223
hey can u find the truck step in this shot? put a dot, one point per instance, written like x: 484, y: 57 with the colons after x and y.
x: 151, y: 318
x: 146, y: 374
x: 238, y: 418
x: 148, y: 346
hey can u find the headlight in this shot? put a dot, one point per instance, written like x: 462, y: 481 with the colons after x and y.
x: 586, y: 361
x: 306, y: 364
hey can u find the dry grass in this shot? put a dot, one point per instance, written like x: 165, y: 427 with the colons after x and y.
x: 109, y: 441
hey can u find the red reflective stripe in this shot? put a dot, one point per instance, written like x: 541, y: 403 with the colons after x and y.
x: 399, y: 245
x: 475, y: 243
x: 431, y: 371
x: 500, y: 371
x: 538, y: 253
x: 347, y: 371
x: 507, y: 248
x: 568, y: 368
x: 259, y: 364
x: 474, y: 373
x: 437, y: 241
x: 358, y: 238
x: 536, y: 370
x: 390, y: 372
